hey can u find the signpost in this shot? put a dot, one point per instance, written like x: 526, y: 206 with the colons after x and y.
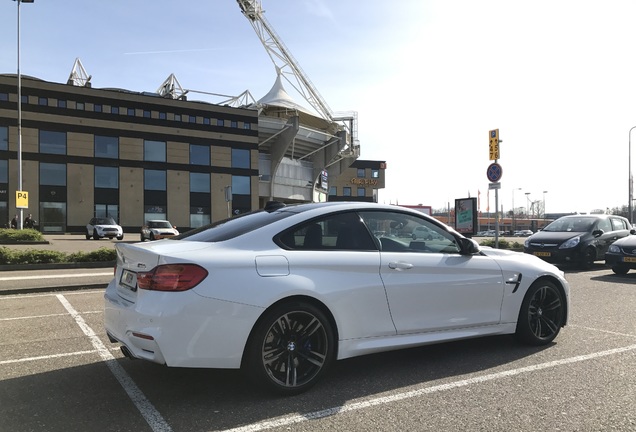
x: 494, y: 173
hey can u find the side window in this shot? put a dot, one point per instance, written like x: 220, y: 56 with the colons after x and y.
x: 401, y: 232
x: 605, y: 225
x: 344, y: 231
x: 618, y: 224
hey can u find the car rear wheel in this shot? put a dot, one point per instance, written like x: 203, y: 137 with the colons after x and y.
x: 620, y: 269
x: 541, y: 315
x: 290, y: 348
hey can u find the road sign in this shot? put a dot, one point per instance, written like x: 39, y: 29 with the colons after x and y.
x: 21, y: 199
x: 494, y: 172
x: 493, y: 145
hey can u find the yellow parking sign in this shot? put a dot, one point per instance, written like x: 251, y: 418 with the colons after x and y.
x: 21, y: 199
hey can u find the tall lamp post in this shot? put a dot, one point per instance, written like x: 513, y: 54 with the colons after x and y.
x: 631, y: 183
x: 544, y: 192
x: 514, y: 224
x: 528, y: 204
x: 20, y: 113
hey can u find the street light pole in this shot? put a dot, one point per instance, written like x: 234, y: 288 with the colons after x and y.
x: 514, y: 224
x: 528, y: 205
x: 630, y: 186
x: 20, y: 113
x: 544, y: 192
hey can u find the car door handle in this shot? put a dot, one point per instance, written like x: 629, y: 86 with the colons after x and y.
x: 400, y: 266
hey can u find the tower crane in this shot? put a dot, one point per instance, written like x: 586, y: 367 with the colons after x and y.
x: 287, y: 67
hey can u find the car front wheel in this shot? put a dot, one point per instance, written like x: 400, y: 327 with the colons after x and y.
x: 95, y: 235
x: 541, y: 315
x: 620, y: 269
x: 589, y: 257
x: 88, y: 235
x: 290, y: 348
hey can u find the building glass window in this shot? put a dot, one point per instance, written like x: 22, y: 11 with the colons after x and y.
x: 130, y: 112
x: 233, y: 124
x: 154, y: 151
x: 107, y: 210
x: 361, y: 172
x: 247, y: 125
x: 98, y: 108
x: 240, y: 158
x: 375, y: 173
x: 114, y: 110
x: 199, y: 155
x: 25, y: 99
x: 52, y: 142
x: 155, y: 180
x: 4, y: 138
x: 106, y: 177
x: 106, y: 147
x: 79, y: 106
x: 52, y: 174
x: 200, y: 182
x: 346, y: 191
x: 361, y: 192
x: 4, y: 171
x: 43, y: 101
x: 163, y: 116
x: 61, y: 103
x: 192, y: 119
x: 241, y: 185
x: 220, y: 122
x: 147, y: 114
x: 206, y: 120
x: 4, y: 96
x: 177, y: 117
x: 199, y: 219
x: 333, y: 191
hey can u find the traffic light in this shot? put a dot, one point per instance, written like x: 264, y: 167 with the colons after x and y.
x: 494, y: 144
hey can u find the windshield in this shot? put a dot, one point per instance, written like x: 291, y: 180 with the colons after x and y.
x: 105, y: 221
x: 159, y: 224
x: 576, y: 224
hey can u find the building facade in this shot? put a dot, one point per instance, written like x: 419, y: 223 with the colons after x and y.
x: 133, y: 156
x: 360, y: 182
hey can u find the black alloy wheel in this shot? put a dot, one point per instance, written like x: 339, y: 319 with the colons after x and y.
x: 542, y: 314
x: 290, y: 349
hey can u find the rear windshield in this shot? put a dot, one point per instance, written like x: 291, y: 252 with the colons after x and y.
x: 234, y: 227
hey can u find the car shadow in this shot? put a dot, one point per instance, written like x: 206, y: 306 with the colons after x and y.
x: 88, y: 397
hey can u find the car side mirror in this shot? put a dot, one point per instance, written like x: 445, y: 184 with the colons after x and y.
x: 468, y: 246
x: 632, y: 231
x: 598, y: 232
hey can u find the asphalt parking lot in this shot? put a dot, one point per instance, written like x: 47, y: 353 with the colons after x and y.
x: 59, y: 372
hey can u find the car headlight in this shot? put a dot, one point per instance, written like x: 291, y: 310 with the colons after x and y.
x: 574, y: 241
x: 614, y: 249
x: 527, y: 242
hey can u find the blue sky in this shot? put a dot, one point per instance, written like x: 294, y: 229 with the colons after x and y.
x: 428, y: 78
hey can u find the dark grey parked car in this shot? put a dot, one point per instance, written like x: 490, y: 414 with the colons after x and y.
x: 621, y: 256
x: 577, y: 239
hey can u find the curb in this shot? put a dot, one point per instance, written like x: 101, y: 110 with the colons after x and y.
x: 51, y: 289
x: 55, y: 266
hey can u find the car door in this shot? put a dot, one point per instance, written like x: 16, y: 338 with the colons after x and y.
x: 430, y: 286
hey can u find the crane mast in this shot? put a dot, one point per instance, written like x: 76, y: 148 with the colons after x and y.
x: 288, y: 68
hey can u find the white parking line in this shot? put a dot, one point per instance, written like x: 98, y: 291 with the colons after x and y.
x: 51, y: 356
x: 287, y: 421
x: 147, y: 410
x: 44, y: 316
x: 55, y: 276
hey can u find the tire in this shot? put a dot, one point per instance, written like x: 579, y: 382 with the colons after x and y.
x: 542, y: 314
x: 95, y: 235
x: 620, y: 269
x: 152, y: 237
x: 589, y: 256
x: 141, y: 236
x: 290, y: 348
x: 121, y: 237
x: 88, y: 235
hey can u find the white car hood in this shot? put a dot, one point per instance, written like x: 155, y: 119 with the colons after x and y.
x: 511, y: 260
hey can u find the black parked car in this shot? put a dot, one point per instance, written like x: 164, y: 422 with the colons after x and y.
x: 621, y: 256
x: 577, y: 239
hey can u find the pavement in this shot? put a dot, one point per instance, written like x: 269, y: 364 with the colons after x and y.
x: 34, y: 278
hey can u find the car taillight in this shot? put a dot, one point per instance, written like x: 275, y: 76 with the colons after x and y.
x: 171, y: 277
